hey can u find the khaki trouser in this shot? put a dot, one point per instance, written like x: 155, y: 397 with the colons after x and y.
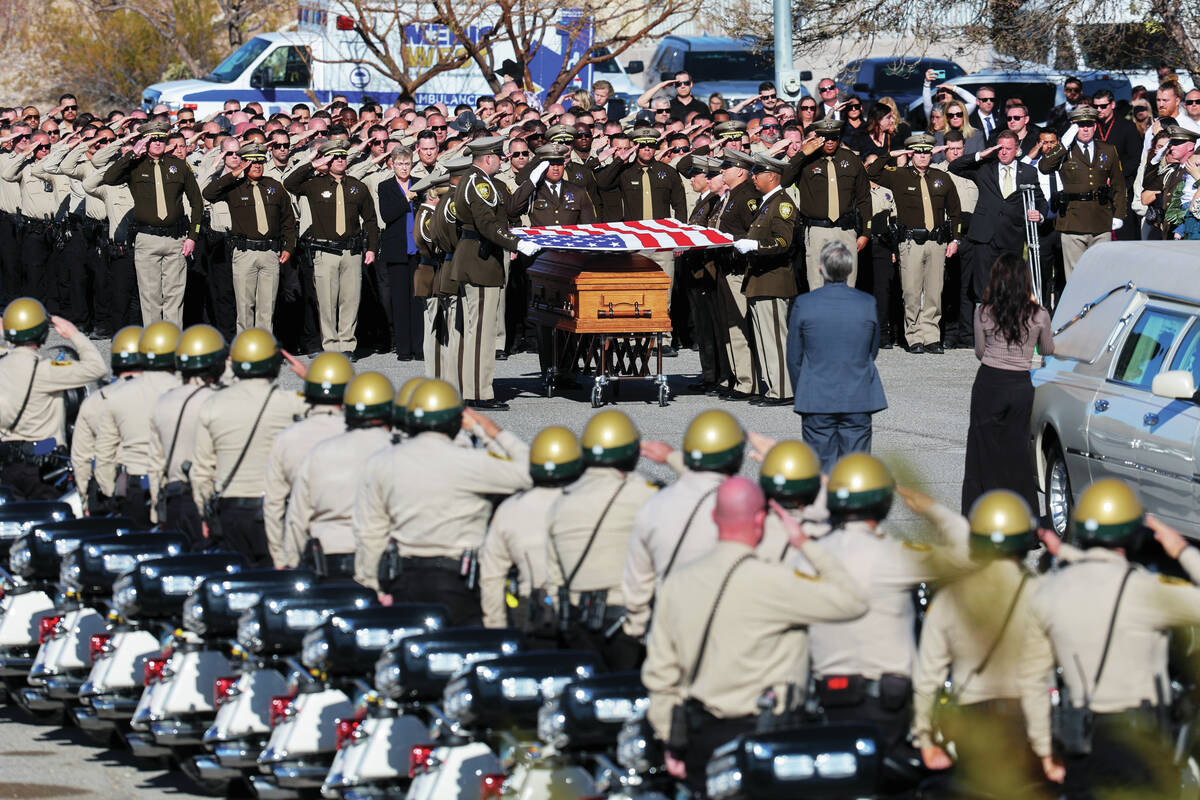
x: 1074, y: 244
x: 769, y: 315
x: 430, y: 346
x: 161, y: 277
x: 338, y: 282
x: 814, y: 239
x: 665, y: 259
x: 922, y: 273
x: 255, y: 282
x: 481, y: 305
x: 501, y: 330
x: 452, y: 351
x: 733, y: 308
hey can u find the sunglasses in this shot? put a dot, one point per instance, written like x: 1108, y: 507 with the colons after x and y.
x: 437, y: 127
x: 824, y: 89
x: 1101, y: 106
x: 1015, y: 117
x: 70, y: 108
x: 210, y: 136
x: 678, y: 149
x: 278, y: 146
x: 955, y: 115
x: 683, y: 83
x: 662, y: 111
x: 808, y: 108
x: 1191, y: 102
x: 41, y: 147
x: 519, y: 154
x: 985, y: 99
x: 770, y: 127
x: 768, y: 96
x: 854, y: 106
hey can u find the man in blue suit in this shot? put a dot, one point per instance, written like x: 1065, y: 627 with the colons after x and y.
x: 833, y: 336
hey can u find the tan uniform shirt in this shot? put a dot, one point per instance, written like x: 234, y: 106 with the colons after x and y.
x: 320, y: 422
x: 321, y: 505
x: 40, y: 196
x: 577, y: 513
x: 124, y: 438
x: 431, y: 496
x: 758, y: 640
x: 223, y: 429
x: 516, y: 537
x: 44, y: 417
x: 682, y: 510
x: 10, y: 193
x: 83, y: 439
x: 118, y: 201
x: 1071, y: 611
x: 885, y: 569
x: 178, y: 409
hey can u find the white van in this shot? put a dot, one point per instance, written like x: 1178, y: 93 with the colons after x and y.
x: 324, y: 56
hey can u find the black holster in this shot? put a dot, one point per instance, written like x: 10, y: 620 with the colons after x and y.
x: 389, y: 564
x: 314, y: 558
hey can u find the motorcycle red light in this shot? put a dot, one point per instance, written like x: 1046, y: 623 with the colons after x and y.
x: 838, y: 684
x: 152, y: 668
x: 345, y: 730
x: 419, y: 758
x: 491, y: 787
x: 281, y: 706
x: 221, y: 689
x: 46, y: 626
x: 96, y: 644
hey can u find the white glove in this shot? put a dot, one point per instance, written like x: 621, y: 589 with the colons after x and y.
x: 528, y: 248
x: 1118, y: 224
x: 745, y: 245
x: 539, y: 171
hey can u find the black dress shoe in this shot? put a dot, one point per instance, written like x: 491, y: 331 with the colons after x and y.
x: 775, y: 401
x: 669, y: 352
x: 734, y: 394
x: 404, y: 357
x: 935, y: 348
x: 488, y: 405
x: 702, y: 386
x: 715, y: 390
x: 916, y: 349
x: 501, y: 355
x: 886, y: 344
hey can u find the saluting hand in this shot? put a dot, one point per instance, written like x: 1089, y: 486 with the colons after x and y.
x: 795, y: 530
x: 760, y: 444
x: 656, y: 451
x: 1172, y: 541
x: 63, y: 327
x: 296, y: 365
x: 915, y: 500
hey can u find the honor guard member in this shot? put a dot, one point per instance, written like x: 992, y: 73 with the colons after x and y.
x: 863, y: 668
x: 730, y: 627
x: 319, y: 528
x: 929, y: 226
x: 120, y: 292
x: 481, y: 207
x: 973, y: 634
x: 429, y: 261
x: 834, y: 197
x: 591, y: 525
x: 517, y: 539
x: 1106, y: 622
x: 675, y: 526
x: 401, y: 423
x: 699, y: 275
x: 166, y: 236
x: 123, y: 468
x: 731, y: 135
x: 234, y: 433
x: 770, y: 282
x: 434, y: 498
x: 32, y: 415
x: 734, y: 215
x: 263, y: 234
x: 548, y: 197
x: 448, y: 323
x: 200, y: 362
x: 791, y: 476
x: 324, y: 388
x: 343, y: 237
x: 578, y: 168
x: 1092, y: 200
x: 126, y: 362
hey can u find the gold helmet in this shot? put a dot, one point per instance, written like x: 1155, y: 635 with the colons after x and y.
x: 368, y: 397
x: 860, y: 486
x: 200, y: 347
x: 400, y: 408
x: 157, y: 344
x: 255, y: 354
x: 1108, y: 514
x: 435, y: 406
x: 1001, y: 525
x: 125, y: 354
x: 327, y: 377
x: 791, y: 473
x: 609, y: 439
x: 26, y: 320
x: 555, y: 456
x: 714, y: 441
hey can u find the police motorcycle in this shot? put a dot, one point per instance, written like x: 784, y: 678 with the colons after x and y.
x: 150, y: 596
x: 24, y: 601
x: 261, y: 690
x: 641, y: 772
x: 200, y: 670
x: 63, y: 658
x: 339, y: 655
x: 391, y: 726
x: 488, y: 721
x: 579, y: 728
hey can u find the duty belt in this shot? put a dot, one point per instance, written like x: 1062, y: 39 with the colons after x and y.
x: 939, y: 235
x: 452, y: 564
x: 844, y: 222
x: 261, y: 245
x: 33, y: 225
x: 352, y: 243
x: 177, y: 489
x: 170, y: 231
x: 1103, y: 195
x: 467, y: 233
x: 239, y: 502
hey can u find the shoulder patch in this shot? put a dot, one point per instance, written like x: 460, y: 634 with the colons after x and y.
x: 752, y: 204
x: 653, y: 485
x: 786, y: 209
x: 1171, y: 580
x: 917, y: 546
x: 485, y: 192
x: 497, y: 456
x: 62, y: 363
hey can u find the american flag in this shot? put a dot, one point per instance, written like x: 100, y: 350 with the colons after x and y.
x: 648, y: 234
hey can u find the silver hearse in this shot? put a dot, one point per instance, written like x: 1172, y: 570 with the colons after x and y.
x: 1118, y: 397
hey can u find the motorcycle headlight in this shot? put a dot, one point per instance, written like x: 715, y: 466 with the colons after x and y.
x: 69, y: 573
x: 193, y: 613
x: 19, y: 556
x: 457, y: 700
x: 64, y: 546
x: 632, y: 748
x: 387, y: 675
x: 125, y: 599
x: 315, y: 651
x: 249, y: 633
x: 552, y: 723
x: 724, y: 775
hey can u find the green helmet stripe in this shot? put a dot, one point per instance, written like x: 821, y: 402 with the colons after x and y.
x: 846, y: 500
x: 698, y: 460
x: 555, y: 471
x: 778, y: 486
x: 610, y: 455
x: 29, y: 334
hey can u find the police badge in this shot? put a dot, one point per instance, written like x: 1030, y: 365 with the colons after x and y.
x: 327, y: 194
x: 172, y: 169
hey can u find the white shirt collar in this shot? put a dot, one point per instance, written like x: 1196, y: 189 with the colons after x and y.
x: 767, y: 196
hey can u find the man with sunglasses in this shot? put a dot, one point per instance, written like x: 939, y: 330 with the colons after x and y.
x: 41, y: 198
x: 1016, y: 118
x: 1057, y: 118
x: 68, y: 107
x: 1124, y: 136
x: 1093, y: 202
x: 984, y: 117
x: 828, y: 92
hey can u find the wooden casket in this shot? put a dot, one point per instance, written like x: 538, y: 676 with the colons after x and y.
x: 601, y: 293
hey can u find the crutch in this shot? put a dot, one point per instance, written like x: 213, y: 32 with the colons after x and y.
x: 1032, y: 243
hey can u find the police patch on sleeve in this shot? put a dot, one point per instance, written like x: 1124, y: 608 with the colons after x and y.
x: 752, y: 205
x: 485, y: 192
x: 785, y: 210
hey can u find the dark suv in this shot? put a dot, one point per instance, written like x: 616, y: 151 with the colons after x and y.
x: 896, y: 77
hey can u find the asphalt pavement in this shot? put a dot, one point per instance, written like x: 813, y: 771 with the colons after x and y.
x: 921, y: 436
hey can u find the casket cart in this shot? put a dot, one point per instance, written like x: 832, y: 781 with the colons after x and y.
x: 601, y: 315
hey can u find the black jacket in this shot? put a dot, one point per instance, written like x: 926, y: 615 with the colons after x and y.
x: 998, y: 220
x: 393, y: 208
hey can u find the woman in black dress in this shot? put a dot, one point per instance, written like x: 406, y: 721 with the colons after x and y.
x: 1009, y: 324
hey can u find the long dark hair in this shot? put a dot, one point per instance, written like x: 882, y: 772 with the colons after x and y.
x: 1009, y: 297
